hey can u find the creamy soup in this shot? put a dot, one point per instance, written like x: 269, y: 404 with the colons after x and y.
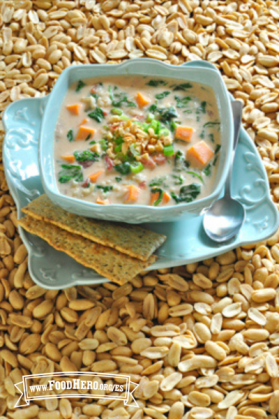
x: 137, y: 140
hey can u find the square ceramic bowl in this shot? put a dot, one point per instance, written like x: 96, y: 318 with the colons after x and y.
x: 133, y: 214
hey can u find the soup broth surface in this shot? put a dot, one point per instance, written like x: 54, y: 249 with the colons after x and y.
x: 137, y: 140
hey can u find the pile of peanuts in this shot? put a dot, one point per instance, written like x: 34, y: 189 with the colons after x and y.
x: 201, y: 340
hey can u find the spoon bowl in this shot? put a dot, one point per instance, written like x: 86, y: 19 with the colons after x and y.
x: 225, y: 217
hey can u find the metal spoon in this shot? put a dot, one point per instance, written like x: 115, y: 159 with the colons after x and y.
x: 224, y: 218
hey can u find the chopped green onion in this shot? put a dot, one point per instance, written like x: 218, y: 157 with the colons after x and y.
x: 118, y: 148
x: 150, y: 117
x: 118, y: 140
x: 154, y: 124
x: 144, y: 126
x: 173, y: 126
x: 104, y: 144
x: 136, y: 167
x: 164, y: 131
x: 168, y: 150
x: 122, y: 157
x: 124, y: 118
x: 116, y: 111
x: 133, y: 150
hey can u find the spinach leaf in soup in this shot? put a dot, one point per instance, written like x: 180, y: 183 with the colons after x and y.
x: 86, y: 155
x: 217, y: 148
x: 167, y: 114
x: 202, y: 134
x: 182, y: 102
x: 211, y: 124
x: 216, y: 154
x: 164, y: 115
x: 70, y: 171
x: 201, y: 108
x: 123, y: 168
x: 94, y: 95
x: 211, y: 137
x: 162, y: 95
x: 157, y: 181
x: 80, y: 85
x: 179, y: 181
x: 182, y: 87
x: 119, y: 99
x: 187, y: 193
x: 179, y: 162
x: 207, y: 170
x: 97, y: 114
x: 70, y: 135
x: 105, y: 189
x: 156, y: 83
x: 195, y: 175
x: 161, y: 193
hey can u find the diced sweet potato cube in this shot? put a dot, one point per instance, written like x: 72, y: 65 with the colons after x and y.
x: 142, y: 100
x: 93, y: 178
x: 74, y: 109
x: 200, y: 154
x: 68, y: 159
x: 183, y: 133
x: 85, y: 133
x: 102, y: 201
x: 84, y: 121
x: 166, y: 198
x: 133, y: 193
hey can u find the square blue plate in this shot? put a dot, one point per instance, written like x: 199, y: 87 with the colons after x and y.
x: 186, y: 240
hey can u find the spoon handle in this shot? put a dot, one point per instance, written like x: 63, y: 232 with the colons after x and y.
x: 237, y: 116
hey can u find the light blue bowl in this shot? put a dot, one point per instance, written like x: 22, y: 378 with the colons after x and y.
x: 143, y: 67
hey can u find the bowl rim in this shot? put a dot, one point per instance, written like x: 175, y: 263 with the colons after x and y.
x: 188, y: 206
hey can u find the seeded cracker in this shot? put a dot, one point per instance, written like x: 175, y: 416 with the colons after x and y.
x: 132, y: 240
x: 106, y: 261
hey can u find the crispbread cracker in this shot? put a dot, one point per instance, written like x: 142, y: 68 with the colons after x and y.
x: 129, y: 239
x: 107, y: 262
